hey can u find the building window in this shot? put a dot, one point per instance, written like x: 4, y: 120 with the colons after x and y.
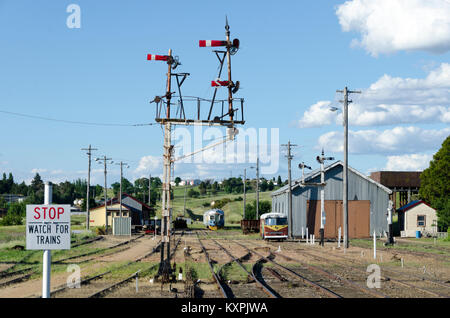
x: 421, y: 220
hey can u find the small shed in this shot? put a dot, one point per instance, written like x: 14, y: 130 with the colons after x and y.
x: 417, y: 216
x: 367, y: 205
x: 131, y: 207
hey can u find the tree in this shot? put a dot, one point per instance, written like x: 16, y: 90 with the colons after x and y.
x: 264, y: 185
x: 177, y: 181
x: 193, y: 194
x: 435, y: 184
x: 279, y: 182
x: 250, y: 209
x: 270, y: 186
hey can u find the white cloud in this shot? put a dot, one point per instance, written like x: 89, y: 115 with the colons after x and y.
x: 317, y: 115
x: 391, y: 141
x: 387, y: 26
x: 38, y: 170
x: 392, y: 101
x: 412, y: 162
x: 149, y: 164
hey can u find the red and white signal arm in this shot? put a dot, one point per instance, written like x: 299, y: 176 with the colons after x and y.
x: 48, y: 227
x: 218, y: 83
x: 153, y: 57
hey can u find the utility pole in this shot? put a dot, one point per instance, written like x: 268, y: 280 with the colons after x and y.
x: 345, y: 174
x: 257, y: 188
x: 149, y: 190
x: 121, y: 177
x: 184, y: 208
x: 321, y: 160
x: 105, y: 161
x: 89, y: 153
x: 245, y: 181
x: 289, y: 158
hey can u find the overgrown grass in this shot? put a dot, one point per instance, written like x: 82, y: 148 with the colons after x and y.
x: 439, y: 248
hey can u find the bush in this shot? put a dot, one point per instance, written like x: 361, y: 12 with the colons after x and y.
x: 221, y: 203
x: 193, y: 194
x: 100, y: 230
x: 11, y: 219
x: 206, y: 204
x: 15, y: 215
x: 238, y: 199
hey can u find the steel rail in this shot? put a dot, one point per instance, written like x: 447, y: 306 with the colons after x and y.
x: 336, y: 277
x: 89, y: 279
x: 217, y: 280
x: 318, y: 287
x: 113, y: 286
x: 16, y: 280
x: 98, y: 251
x: 250, y: 275
x: 436, y: 294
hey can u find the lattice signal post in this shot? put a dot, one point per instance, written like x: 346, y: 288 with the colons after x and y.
x: 214, y: 118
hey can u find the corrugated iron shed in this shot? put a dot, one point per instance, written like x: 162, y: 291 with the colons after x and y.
x: 360, y: 187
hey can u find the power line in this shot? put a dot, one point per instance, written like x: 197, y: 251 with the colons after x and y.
x: 74, y: 122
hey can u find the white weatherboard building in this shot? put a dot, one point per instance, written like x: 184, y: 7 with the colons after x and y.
x: 417, y: 216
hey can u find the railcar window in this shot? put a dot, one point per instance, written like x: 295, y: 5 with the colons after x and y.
x: 276, y: 221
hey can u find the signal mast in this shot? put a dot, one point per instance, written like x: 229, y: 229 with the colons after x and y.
x: 214, y: 119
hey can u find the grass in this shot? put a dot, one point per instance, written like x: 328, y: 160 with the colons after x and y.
x: 439, y: 248
x: 235, y: 272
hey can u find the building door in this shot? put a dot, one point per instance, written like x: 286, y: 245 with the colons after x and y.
x: 358, y: 218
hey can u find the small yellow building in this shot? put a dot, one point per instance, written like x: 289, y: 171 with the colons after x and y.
x: 417, y: 216
x: 131, y: 207
x: 97, y: 215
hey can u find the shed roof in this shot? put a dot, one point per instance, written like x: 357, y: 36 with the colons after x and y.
x: 411, y: 205
x: 316, y: 173
x: 116, y: 200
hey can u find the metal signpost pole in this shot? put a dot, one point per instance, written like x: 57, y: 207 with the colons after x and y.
x: 47, y: 257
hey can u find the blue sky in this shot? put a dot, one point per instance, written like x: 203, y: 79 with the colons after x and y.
x: 294, y: 54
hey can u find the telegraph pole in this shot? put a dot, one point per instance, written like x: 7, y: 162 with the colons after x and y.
x: 345, y: 174
x: 289, y: 158
x: 89, y: 153
x: 105, y: 161
x: 149, y: 189
x: 184, y: 208
x: 121, y: 177
x: 245, y: 181
x: 257, y: 188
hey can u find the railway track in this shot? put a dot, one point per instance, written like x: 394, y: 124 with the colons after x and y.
x: 310, y: 282
x: 103, y: 291
x: 332, y: 276
x: 387, y: 279
x: 232, y: 292
x: 8, y: 278
x: 116, y: 285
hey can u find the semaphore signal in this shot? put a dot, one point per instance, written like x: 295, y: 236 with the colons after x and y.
x: 216, y: 119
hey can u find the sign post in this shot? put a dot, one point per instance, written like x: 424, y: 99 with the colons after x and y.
x: 48, y: 228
